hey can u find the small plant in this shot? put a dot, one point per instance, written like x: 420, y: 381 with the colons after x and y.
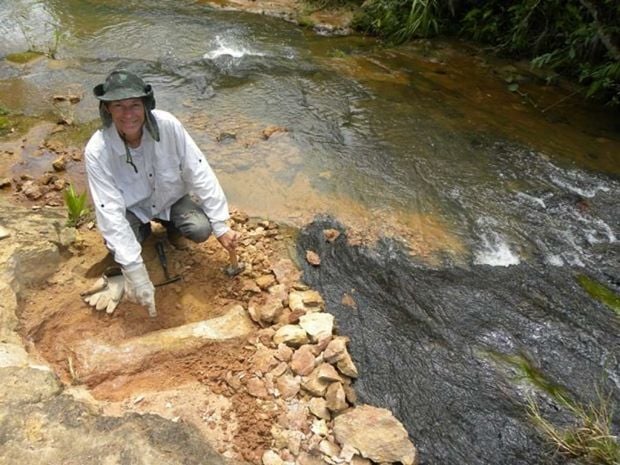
x: 590, y: 439
x: 76, y: 206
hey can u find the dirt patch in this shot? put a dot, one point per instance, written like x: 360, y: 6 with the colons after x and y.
x: 54, y: 321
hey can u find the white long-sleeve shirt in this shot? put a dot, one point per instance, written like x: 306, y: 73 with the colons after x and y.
x: 167, y: 170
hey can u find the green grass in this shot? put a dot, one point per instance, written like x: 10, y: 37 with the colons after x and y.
x: 601, y: 293
x: 23, y: 57
x: 77, y: 210
x: 589, y: 438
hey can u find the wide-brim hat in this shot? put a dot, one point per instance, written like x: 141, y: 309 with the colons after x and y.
x: 121, y: 85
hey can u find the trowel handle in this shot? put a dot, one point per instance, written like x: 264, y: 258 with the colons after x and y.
x: 159, y: 246
x: 232, y: 253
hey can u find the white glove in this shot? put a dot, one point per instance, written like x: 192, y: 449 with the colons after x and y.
x: 106, y: 293
x: 139, y: 288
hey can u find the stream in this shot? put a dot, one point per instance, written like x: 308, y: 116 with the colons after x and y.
x: 474, y: 212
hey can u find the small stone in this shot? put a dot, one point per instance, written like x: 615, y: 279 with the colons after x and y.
x: 327, y: 372
x: 265, y: 281
x: 5, y: 183
x: 312, y: 298
x: 284, y: 353
x: 4, y: 233
x: 286, y: 272
x: 32, y: 190
x: 265, y: 309
x: 303, y: 361
x: 318, y: 408
x: 348, y: 301
x: 256, y: 388
x: 347, y: 367
x: 336, y: 349
x: 288, y: 385
x: 306, y: 458
x: 331, y: 234
x: 292, y: 335
x: 313, y: 258
x: 336, y: 398
x: 249, y: 285
x: 271, y: 458
x: 271, y: 130
x: 59, y: 164
x: 319, y: 427
x: 317, y: 325
x: 329, y: 448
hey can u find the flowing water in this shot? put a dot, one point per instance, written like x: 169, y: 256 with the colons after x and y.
x: 497, y: 200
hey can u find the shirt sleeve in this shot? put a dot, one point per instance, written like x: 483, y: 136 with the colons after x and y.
x: 202, y: 181
x: 110, y: 211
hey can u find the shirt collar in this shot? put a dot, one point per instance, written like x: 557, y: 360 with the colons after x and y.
x: 117, y: 144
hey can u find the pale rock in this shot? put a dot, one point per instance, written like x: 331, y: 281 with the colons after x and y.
x: 4, y: 233
x: 313, y: 258
x: 317, y: 325
x: 331, y: 234
x: 329, y: 448
x: 265, y: 309
x: 318, y: 408
x: 350, y: 393
x: 249, y: 285
x: 376, y: 434
x: 295, y: 417
x: 288, y: 385
x: 256, y: 388
x: 265, y: 336
x: 279, y: 435
x: 32, y: 190
x: 5, y: 182
x: 348, y: 452
x: 336, y: 349
x: 292, y: 335
x: 280, y: 291
x: 312, y: 298
x: 296, y: 301
x: 359, y: 460
x: 286, y: 272
x: 284, y: 353
x: 272, y: 458
x: 314, y: 384
x: 263, y: 359
x: 265, y: 281
x: 346, y: 366
x: 59, y: 164
x: 336, y: 398
x: 321, y: 345
x: 319, y: 427
x: 279, y: 370
x: 294, y: 441
x: 303, y: 361
x: 328, y: 373
x: 306, y: 458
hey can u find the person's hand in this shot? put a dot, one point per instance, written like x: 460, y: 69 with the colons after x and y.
x: 229, y: 240
x: 139, y: 288
x: 106, y: 293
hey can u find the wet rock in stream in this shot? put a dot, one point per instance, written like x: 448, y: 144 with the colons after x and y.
x: 456, y: 353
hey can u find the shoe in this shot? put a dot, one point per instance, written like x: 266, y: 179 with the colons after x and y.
x: 177, y: 241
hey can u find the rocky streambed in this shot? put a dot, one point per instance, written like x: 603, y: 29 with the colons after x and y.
x: 245, y: 369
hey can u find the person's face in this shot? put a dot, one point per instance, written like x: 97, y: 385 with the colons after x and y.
x: 128, y: 117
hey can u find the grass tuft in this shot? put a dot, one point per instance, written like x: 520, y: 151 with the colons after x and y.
x: 75, y: 203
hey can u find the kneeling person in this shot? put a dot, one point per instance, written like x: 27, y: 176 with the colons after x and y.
x: 142, y: 165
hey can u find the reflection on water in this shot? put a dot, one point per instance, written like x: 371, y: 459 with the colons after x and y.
x: 423, y: 142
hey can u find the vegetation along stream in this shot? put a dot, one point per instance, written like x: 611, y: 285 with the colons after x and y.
x: 481, y: 271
